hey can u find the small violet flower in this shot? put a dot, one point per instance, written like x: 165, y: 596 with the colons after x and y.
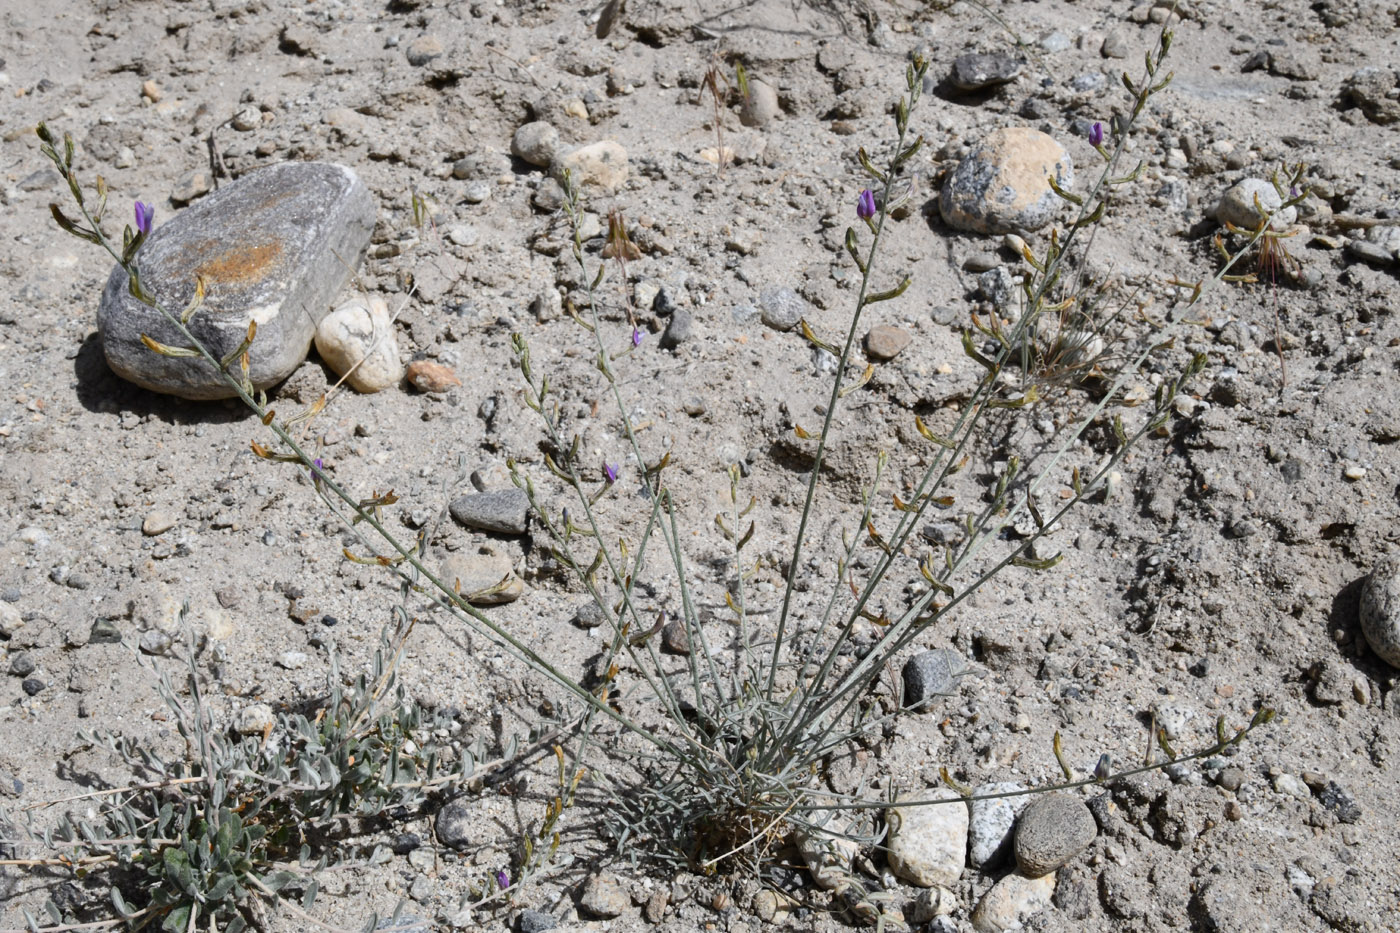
x: 317, y: 466
x: 865, y: 205
x: 1096, y: 135
x: 636, y: 337
x: 145, y: 213
x: 503, y: 879
x: 1293, y: 191
x: 610, y: 472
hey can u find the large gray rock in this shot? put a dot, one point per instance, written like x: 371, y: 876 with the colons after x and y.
x: 274, y: 247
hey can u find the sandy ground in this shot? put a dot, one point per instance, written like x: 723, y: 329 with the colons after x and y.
x: 1222, y: 576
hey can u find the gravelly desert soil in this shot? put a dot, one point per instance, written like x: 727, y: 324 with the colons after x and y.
x: 1223, y: 575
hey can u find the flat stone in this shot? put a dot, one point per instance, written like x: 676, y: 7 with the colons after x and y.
x: 505, y: 512
x: 604, y: 896
x: 189, y: 186
x: 601, y: 165
x: 781, y: 308
x: 358, y: 338
x: 975, y: 71
x: 992, y: 826
x: 536, y: 143
x: 1370, y: 252
x: 884, y: 342
x: 1053, y: 829
x: 104, y: 632
x: 486, y: 576
x: 273, y: 247
x: 1380, y: 610
x: 158, y: 523
x: 1002, y: 186
x: 929, y: 675
x: 428, y: 376
x: 535, y: 921
x: 1011, y: 902
x: 928, y: 844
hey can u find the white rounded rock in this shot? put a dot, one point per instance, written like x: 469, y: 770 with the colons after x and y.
x: 598, y: 165
x: 360, y: 340
x: 928, y: 844
x: 1380, y: 610
x: 1237, y: 205
x: 1011, y: 902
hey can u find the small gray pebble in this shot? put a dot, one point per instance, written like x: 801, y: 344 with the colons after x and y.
x: 535, y: 921
x: 679, y: 329
x: 456, y: 823
x: 589, y: 615
x: 154, y: 641
x: 476, y: 192
x: 781, y: 308
x: 33, y: 686
x: 931, y: 674
x: 22, y: 664
x: 505, y: 512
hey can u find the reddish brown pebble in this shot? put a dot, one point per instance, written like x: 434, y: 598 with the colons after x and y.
x: 1225, y: 690
x: 427, y: 376
x: 884, y: 342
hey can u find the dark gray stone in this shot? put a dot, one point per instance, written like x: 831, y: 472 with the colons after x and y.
x: 973, y: 72
x: 931, y: 674
x: 781, y: 308
x: 33, y: 686
x: 1335, y: 798
x: 1053, y: 829
x: 679, y: 330
x: 273, y: 247
x: 104, y: 632
x: 535, y: 921
x: 456, y: 823
x: 22, y: 664
x: 505, y: 512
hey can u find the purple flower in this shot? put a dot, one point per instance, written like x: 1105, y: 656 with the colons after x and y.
x: 1096, y: 135
x: 610, y: 472
x: 317, y: 466
x: 865, y: 205
x: 503, y: 879
x: 145, y: 213
x: 636, y: 337
x: 1293, y: 191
